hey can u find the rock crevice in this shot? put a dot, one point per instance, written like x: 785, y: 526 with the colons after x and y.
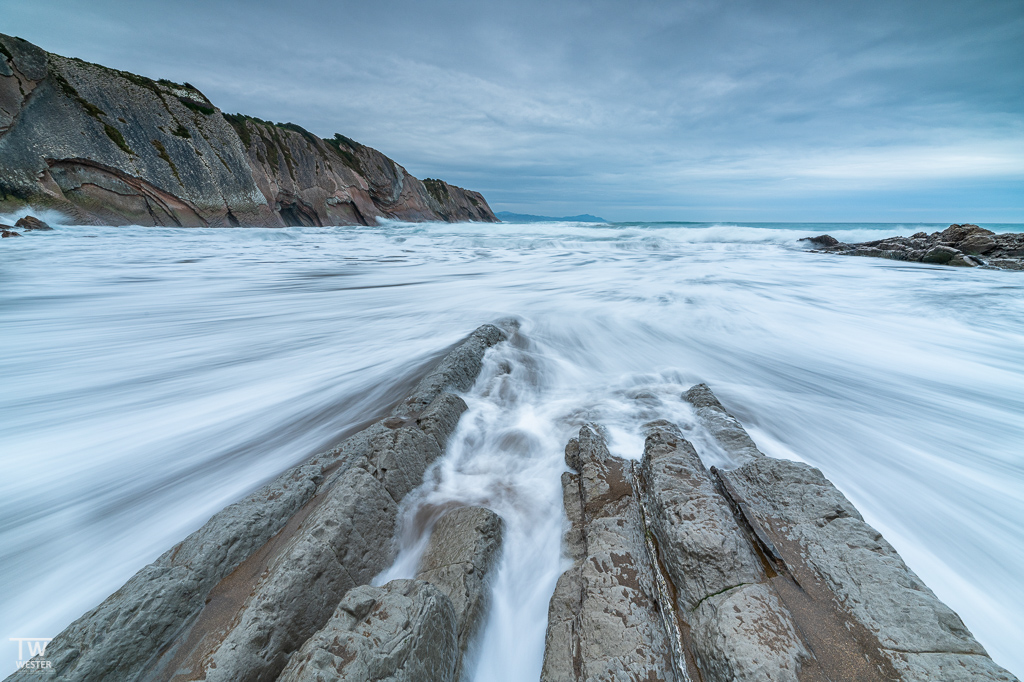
x: 764, y: 571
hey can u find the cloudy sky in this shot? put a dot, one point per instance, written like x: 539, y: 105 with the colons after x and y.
x: 645, y: 110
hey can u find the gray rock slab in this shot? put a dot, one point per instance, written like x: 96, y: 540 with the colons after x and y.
x: 464, y: 546
x: 404, y: 631
x: 848, y: 578
x: 725, y: 428
x: 266, y: 572
x: 738, y: 628
x: 603, y: 620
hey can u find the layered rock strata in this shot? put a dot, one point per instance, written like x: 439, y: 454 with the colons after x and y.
x: 764, y: 571
x: 111, y: 147
x: 238, y: 597
x: 463, y: 549
x: 603, y: 622
x: 961, y: 245
x: 405, y: 631
x: 410, y: 630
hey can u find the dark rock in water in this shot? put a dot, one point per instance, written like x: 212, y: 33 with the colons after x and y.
x: 823, y: 240
x: 9, y: 233
x: 603, y: 620
x: 238, y: 597
x: 464, y: 547
x: 963, y: 245
x: 32, y: 223
x: 404, y: 631
x: 939, y: 254
x: 111, y: 147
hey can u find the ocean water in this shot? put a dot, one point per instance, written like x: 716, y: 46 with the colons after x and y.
x: 150, y: 376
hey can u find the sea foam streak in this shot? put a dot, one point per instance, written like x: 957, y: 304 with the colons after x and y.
x: 153, y: 375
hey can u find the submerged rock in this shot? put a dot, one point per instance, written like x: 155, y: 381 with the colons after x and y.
x: 958, y: 245
x: 9, y: 233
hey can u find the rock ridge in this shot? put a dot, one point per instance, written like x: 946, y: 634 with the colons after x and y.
x: 963, y: 245
x: 110, y: 147
x: 235, y: 599
x: 764, y: 571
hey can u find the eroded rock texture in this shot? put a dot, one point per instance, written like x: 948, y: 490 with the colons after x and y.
x: 762, y: 572
x: 963, y: 245
x: 404, y: 631
x: 604, y: 622
x: 463, y: 548
x: 110, y: 147
x: 236, y: 598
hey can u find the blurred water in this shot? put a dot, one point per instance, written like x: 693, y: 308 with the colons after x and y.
x: 151, y: 376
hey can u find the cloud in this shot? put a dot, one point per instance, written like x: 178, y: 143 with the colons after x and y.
x: 606, y: 106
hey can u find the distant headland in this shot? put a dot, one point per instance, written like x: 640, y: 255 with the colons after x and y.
x: 508, y: 217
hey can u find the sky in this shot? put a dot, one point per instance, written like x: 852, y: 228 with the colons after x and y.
x: 884, y: 111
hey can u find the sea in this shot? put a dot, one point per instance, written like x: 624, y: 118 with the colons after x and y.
x: 151, y: 376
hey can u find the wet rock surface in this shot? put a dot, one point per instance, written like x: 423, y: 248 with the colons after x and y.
x: 29, y: 223
x: 604, y: 622
x: 463, y: 548
x: 110, y: 147
x: 404, y: 631
x: 963, y: 245
x: 236, y: 598
x: 760, y: 572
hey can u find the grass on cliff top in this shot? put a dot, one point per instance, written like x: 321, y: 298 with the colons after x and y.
x: 347, y: 157
x: 438, y: 189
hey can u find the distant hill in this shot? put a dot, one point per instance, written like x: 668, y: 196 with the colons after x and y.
x: 507, y: 217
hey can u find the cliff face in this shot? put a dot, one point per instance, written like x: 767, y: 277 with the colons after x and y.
x: 111, y: 147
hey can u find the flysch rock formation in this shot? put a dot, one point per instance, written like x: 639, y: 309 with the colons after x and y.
x: 110, y: 147
x: 959, y: 245
x: 463, y: 548
x: 404, y: 631
x: 238, y: 597
x: 764, y: 571
x: 410, y: 630
x: 603, y: 621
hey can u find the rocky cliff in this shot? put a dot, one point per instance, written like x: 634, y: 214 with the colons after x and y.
x: 111, y: 147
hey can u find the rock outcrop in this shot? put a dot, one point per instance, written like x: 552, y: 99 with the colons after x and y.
x: 31, y: 223
x: 404, y: 631
x: 111, y: 147
x: 603, y: 622
x: 961, y: 245
x: 463, y: 548
x: 238, y: 597
x: 764, y: 571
